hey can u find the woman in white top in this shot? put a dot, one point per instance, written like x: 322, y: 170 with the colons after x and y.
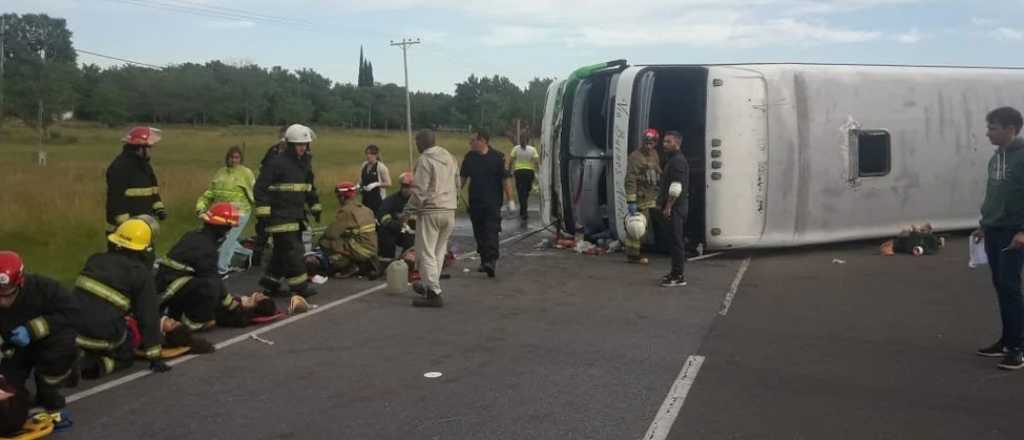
x: 373, y: 178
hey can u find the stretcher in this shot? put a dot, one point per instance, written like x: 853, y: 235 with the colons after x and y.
x: 166, y: 352
x: 37, y: 426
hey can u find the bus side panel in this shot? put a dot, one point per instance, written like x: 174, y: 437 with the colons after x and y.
x: 736, y: 152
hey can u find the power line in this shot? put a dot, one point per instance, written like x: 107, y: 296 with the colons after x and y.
x: 137, y: 63
x: 206, y: 11
x: 240, y: 11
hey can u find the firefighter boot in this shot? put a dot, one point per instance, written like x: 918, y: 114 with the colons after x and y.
x: 271, y: 286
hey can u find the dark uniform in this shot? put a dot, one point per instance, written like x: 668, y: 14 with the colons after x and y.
x: 132, y: 189
x: 390, y: 234
x: 190, y: 287
x: 48, y: 311
x: 113, y: 285
x: 370, y: 174
x: 261, y: 226
x: 284, y: 191
x: 486, y: 173
x: 677, y: 170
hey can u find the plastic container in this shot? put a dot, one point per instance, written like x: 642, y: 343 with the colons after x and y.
x: 398, y: 276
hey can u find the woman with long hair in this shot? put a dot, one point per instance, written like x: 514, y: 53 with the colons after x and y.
x: 232, y: 184
x: 373, y: 178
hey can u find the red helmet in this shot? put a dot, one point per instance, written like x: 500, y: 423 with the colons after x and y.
x: 222, y: 214
x: 147, y: 136
x: 652, y: 133
x: 405, y: 179
x: 345, y: 189
x: 12, y: 270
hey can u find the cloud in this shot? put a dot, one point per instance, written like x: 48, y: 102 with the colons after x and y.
x: 978, y: 21
x: 736, y: 34
x: 912, y: 37
x: 1006, y: 34
x: 516, y: 36
x: 229, y: 25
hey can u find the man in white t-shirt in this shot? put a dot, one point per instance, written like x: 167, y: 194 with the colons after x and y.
x: 525, y: 161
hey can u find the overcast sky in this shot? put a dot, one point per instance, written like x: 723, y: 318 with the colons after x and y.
x: 522, y: 39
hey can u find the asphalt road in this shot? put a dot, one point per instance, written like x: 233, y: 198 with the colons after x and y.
x: 565, y: 346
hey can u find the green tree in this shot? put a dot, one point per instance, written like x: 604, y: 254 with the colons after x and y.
x: 40, y: 69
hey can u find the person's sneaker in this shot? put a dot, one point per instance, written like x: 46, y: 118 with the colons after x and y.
x: 489, y: 269
x: 430, y: 300
x: 1014, y: 360
x: 994, y: 350
x: 674, y: 281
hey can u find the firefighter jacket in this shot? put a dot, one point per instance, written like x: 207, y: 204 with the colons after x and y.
x: 132, y: 189
x: 284, y: 191
x: 642, y: 175
x: 232, y: 185
x: 193, y: 256
x: 43, y: 306
x: 391, y: 210
x: 353, y: 233
x: 112, y: 285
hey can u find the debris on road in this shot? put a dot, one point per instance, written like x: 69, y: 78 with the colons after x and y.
x: 838, y: 261
x: 259, y: 339
x: 916, y: 240
x: 432, y: 374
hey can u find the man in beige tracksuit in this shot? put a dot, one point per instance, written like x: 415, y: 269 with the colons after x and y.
x: 433, y: 202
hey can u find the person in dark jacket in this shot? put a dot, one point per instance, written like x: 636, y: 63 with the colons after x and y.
x: 1002, y: 228
x: 284, y: 194
x: 673, y: 200
x: 483, y: 168
x: 262, y: 237
x: 132, y: 188
x: 392, y: 231
x: 113, y: 286
x: 187, y: 280
x: 36, y: 321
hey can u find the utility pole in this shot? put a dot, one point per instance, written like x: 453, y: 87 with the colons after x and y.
x: 404, y: 44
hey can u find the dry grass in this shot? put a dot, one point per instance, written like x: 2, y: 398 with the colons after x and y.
x: 54, y: 215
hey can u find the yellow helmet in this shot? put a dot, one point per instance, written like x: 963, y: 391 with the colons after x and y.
x: 133, y: 234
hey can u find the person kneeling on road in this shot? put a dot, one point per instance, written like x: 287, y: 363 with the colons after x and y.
x: 36, y: 321
x: 112, y: 286
x: 350, y: 242
x: 393, y: 232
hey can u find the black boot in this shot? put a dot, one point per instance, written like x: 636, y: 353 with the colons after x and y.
x: 271, y: 286
x: 306, y: 290
x: 432, y: 299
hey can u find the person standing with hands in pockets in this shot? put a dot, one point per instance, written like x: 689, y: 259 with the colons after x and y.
x: 1002, y: 228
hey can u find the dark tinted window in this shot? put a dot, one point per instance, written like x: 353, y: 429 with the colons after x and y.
x: 874, y: 153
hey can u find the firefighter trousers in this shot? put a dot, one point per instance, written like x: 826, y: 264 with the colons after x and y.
x: 287, y: 260
x: 107, y: 348
x: 632, y: 247
x: 195, y: 304
x: 52, y: 359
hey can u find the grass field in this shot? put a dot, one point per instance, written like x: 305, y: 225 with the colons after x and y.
x: 53, y: 215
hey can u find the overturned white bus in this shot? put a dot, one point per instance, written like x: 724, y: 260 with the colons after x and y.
x: 780, y: 154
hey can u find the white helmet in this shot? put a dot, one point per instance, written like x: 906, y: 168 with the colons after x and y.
x: 636, y: 226
x: 299, y: 134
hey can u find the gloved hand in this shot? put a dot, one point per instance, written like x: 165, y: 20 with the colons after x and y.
x: 20, y: 336
x: 631, y: 207
x: 161, y: 214
x: 159, y: 366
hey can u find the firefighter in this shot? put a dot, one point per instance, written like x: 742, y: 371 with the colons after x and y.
x: 190, y: 287
x: 261, y: 227
x: 284, y: 192
x: 114, y: 286
x: 132, y: 188
x: 36, y: 321
x: 642, y: 175
x: 392, y: 232
x: 350, y: 242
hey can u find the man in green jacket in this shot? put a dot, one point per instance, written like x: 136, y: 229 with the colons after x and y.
x: 1002, y: 228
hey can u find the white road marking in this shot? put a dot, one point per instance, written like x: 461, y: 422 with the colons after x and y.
x: 669, y: 410
x: 226, y: 343
x: 727, y: 302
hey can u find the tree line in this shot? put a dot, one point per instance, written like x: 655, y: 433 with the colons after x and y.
x: 42, y: 83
